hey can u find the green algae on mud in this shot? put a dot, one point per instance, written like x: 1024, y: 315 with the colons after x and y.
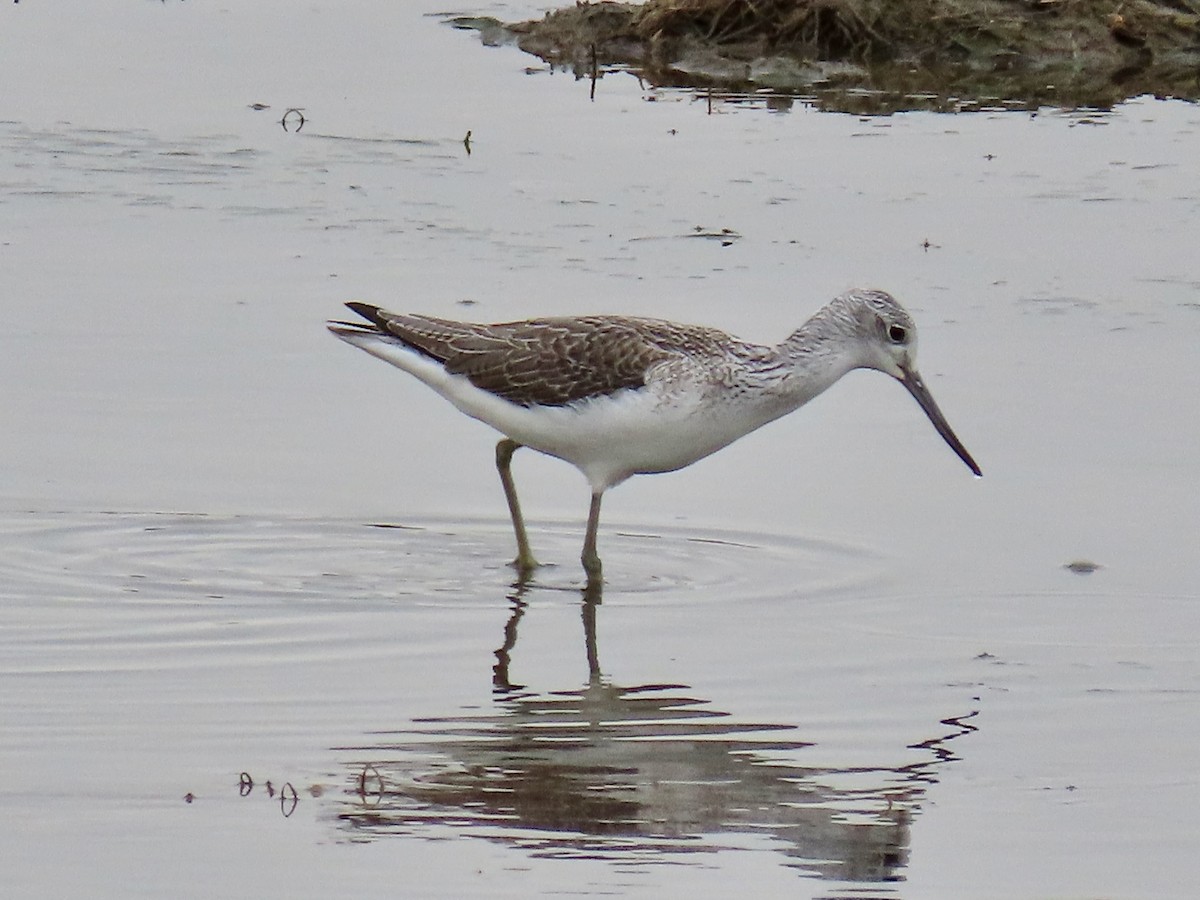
x: 879, y: 56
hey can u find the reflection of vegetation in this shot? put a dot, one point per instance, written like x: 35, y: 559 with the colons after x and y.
x: 903, y: 53
x: 634, y: 773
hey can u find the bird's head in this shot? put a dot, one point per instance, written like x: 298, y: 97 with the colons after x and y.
x: 887, y: 341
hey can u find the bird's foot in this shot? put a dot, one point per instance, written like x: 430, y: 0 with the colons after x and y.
x: 595, y: 578
x: 593, y: 592
x: 525, y: 565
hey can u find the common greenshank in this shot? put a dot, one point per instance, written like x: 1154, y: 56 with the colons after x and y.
x: 617, y: 396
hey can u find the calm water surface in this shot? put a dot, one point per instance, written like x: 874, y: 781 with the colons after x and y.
x: 827, y: 662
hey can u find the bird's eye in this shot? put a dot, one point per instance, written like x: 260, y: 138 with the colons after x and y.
x: 897, y: 334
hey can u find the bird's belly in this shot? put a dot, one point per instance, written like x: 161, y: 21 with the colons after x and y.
x: 633, y: 433
x: 612, y: 437
x: 609, y: 438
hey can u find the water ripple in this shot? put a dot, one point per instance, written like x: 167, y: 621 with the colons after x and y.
x: 165, y: 557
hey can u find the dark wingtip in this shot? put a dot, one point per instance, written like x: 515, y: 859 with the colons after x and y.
x: 372, y: 314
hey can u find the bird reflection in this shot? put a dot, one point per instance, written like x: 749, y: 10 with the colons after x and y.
x: 592, y: 595
x: 645, y: 772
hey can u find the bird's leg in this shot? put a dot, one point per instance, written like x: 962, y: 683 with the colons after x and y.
x: 591, y: 559
x: 524, y: 563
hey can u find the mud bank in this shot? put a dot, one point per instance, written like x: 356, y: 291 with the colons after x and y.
x: 878, y: 56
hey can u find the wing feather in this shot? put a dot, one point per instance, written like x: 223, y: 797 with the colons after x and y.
x: 553, y: 361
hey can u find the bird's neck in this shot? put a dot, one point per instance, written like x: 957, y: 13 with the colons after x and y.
x: 817, y: 354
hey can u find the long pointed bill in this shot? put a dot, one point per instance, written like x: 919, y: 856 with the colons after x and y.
x: 916, y: 387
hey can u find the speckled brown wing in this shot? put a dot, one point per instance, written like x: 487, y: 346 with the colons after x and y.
x: 548, y: 362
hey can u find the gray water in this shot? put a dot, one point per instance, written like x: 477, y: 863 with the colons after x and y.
x: 828, y: 662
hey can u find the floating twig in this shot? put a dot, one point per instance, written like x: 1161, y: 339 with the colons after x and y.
x: 300, y: 115
x: 367, y: 778
x: 288, y: 799
x: 595, y: 73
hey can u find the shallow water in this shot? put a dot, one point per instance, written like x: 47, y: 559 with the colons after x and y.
x: 827, y: 662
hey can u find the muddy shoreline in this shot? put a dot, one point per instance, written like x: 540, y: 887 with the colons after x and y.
x: 879, y: 56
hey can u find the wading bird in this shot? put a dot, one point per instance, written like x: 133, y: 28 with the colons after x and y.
x: 617, y: 396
